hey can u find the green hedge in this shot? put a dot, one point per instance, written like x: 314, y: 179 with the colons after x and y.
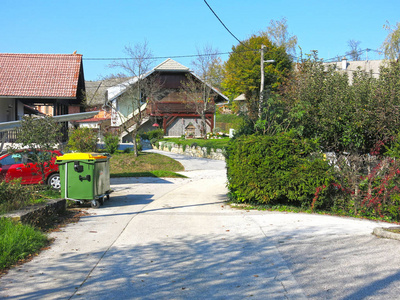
x: 277, y: 169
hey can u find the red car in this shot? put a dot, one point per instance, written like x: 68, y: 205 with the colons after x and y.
x: 19, y: 165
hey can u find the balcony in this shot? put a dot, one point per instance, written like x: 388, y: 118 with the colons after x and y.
x: 176, y: 108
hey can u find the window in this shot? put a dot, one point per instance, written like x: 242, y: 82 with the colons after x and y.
x: 11, y: 159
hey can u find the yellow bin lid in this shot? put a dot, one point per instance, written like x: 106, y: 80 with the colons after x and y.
x: 81, y: 156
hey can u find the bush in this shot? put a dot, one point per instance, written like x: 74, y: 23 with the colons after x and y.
x: 111, y: 142
x: 156, y: 134
x: 13, y: 195
x: 277, y: 169
x: 83, y: 140
x: 226, y: 121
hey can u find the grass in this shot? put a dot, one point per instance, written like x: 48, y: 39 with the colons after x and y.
x: 210, y: 143
x: 17, y: 242
x: 145, y: 165
x: 394, y: 230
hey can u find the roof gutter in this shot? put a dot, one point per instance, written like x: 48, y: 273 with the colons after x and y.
x: 4, y: 126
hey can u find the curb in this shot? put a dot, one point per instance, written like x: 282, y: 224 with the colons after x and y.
x: 381, y: 232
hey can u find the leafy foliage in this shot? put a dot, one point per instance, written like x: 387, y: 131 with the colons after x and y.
x: 111, y: 142
x: 83, y: 140
x: 37, y: 135
x: 17, y: 241
x: 391, y: 45
x: 321, y: 103
x: 242, y: 70
x: 153, y: 136
x: 276, y: 169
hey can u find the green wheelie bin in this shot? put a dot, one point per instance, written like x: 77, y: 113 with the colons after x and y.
x: 85, y: 177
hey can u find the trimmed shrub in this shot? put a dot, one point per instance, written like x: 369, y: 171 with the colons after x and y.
x: 276, y: 169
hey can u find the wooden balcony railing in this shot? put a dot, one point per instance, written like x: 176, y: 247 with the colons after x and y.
x: 168, y: 108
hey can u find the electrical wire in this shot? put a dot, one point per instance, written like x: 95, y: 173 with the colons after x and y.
x: 157, y: 57
x: 333, y: 59
x: 230, y: 32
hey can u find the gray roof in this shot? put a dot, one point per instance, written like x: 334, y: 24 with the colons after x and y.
x: 171, y: 65
x: 96, y: 90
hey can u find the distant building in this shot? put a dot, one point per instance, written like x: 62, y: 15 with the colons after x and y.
x: 345, y: 65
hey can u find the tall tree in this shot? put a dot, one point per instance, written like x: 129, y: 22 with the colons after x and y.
x: 243, y: 70
x: 199, y: 90
x: 391, y: 45
x: 277, y: 32
x: 139, y: 89
x: 355, y: 51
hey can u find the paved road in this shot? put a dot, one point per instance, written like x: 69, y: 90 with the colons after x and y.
x: 176, y: 239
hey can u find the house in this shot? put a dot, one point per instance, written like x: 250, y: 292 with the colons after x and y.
x: 40, y: 80
x: 170, y: 111
x: 40, y: 83
x: 100, y: 122
x: 345, y: 65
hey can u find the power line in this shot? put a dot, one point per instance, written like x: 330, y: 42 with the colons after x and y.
x: 156, y: 57
x: 226, y: 27
x: 333, y: 59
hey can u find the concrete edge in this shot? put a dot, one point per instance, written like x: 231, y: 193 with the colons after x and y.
x: 38, y: 215
x: 381, y: 232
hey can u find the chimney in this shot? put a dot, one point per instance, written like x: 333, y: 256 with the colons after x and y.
x: 344, y: 63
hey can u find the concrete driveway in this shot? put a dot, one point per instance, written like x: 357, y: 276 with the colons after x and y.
x: 176, y: 239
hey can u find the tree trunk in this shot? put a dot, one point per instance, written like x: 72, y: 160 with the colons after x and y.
x: 135, y: 146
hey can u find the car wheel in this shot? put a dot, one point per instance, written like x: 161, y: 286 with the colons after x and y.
x: 54, y: 181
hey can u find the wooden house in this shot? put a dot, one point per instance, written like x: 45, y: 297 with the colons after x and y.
x: 170, y: 110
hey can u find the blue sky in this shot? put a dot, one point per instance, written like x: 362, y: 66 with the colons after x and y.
x: 101, y: 29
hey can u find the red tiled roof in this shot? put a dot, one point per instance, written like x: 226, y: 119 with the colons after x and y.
x: 92, y: 120
x: 101, y: 116
x: 39, y: 75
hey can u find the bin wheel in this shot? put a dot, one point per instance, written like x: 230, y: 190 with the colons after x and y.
x: 95, y: 203
x: 101, y: 200
x: 108, y: 197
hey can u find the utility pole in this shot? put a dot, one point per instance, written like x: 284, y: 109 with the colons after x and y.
x: 262, y: 61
